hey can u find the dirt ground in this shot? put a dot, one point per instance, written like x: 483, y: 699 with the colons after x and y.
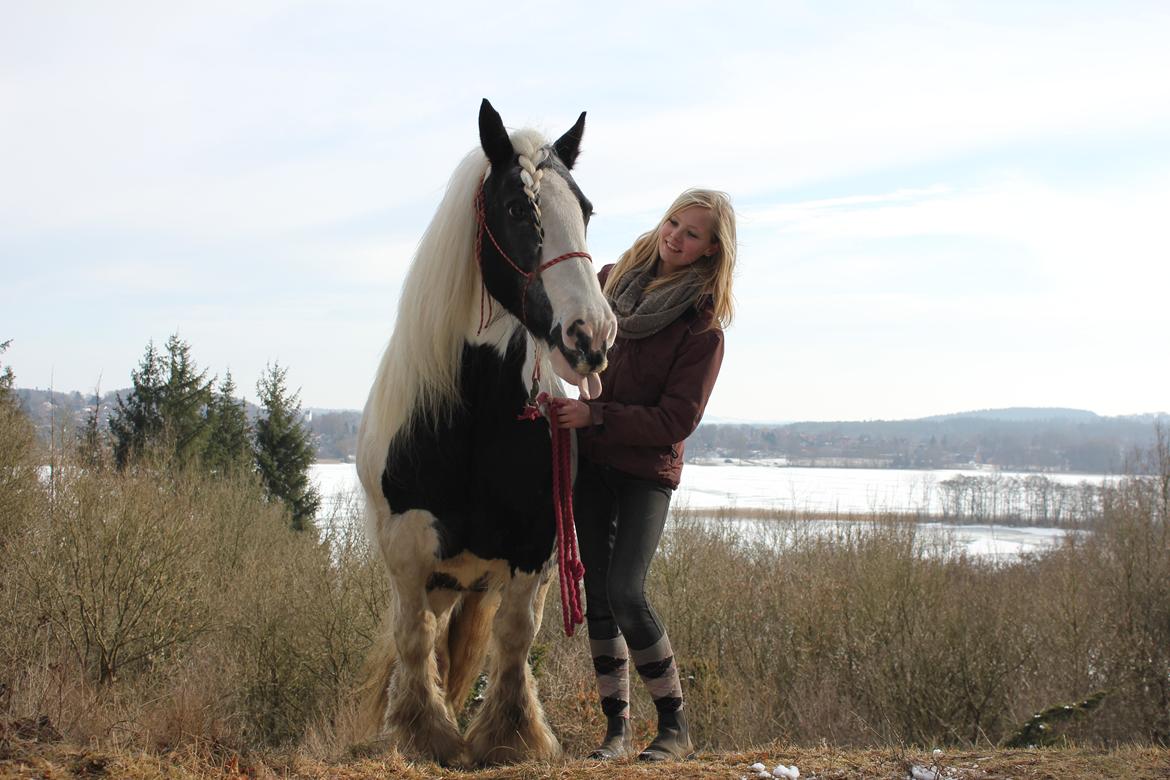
x: 33, y: 759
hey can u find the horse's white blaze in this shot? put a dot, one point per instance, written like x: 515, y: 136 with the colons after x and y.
x: 571, y: 285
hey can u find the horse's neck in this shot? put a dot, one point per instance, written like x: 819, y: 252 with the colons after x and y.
x: 498, y: 333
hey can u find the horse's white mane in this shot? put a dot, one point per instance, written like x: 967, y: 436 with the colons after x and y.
x: 419, y: 372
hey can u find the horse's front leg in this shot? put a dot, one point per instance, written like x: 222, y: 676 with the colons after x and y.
x: 417, y: 718
x: 510, y: 726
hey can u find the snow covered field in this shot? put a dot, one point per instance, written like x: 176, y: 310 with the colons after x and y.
x: 763, y: 485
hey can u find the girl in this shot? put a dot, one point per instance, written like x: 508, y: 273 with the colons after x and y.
x: 671, y: 292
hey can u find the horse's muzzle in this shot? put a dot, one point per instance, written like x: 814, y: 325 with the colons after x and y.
x: 583, y: 347
x: 578, y: 356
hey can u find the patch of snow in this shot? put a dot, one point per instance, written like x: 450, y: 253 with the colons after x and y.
x: 919, y: 772
x: 780, y: 771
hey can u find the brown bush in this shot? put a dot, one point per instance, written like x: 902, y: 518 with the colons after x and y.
x: 170, y: 607
x: 868, y: 635
x: 167, y: 609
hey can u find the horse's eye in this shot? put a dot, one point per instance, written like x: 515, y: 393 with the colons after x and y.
x: 517, y: 210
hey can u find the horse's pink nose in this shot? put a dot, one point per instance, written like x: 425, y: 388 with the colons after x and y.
x: 590, y: 343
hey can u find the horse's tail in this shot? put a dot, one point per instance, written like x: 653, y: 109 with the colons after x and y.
x: 467, y: 641
x: 372, y: 693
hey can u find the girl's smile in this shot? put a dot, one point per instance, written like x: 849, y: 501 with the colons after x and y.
x: 685, y: 237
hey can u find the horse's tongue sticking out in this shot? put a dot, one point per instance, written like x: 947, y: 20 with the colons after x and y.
x: 590, y: 386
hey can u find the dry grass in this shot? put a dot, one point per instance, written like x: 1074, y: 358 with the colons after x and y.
x: 170, y: 624
x: 50, y: 761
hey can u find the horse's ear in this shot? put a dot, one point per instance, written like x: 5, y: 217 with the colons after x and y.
x: 569, y: 144
x: 493, y: 137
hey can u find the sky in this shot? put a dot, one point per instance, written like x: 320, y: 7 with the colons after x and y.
x: 942, y: 206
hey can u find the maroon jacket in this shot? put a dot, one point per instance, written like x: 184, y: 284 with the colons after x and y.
x: 653, y: 395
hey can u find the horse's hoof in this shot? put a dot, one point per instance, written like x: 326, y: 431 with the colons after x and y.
x: 509, y: 754
x: 446, y: 755
x: 533, y: 741
x: 442, y: 745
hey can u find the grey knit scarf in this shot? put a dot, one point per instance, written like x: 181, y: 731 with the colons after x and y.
x: 640, y: 315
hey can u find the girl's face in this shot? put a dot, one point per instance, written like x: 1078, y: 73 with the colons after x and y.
x: 685, y: 237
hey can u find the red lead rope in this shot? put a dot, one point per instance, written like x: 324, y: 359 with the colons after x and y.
x: 568, y: 557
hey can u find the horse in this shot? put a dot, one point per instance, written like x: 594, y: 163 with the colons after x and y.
x: 500, y: 303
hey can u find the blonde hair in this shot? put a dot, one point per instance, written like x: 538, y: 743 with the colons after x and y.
x: 715, y: 271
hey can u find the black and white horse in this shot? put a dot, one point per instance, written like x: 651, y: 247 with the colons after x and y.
x: 459, y: 489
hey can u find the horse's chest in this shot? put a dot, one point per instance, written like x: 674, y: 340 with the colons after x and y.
x: 485, y: 475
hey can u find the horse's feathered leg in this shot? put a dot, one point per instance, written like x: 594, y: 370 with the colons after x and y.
x: 444, y: 604
x: 379, y: 667
x: 510, y: 726
x: 417, y: 718
x: 541, y: 594
x: 467, y: 641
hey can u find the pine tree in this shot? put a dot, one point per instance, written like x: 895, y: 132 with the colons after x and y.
x: 20, y: 463
x: 166, y: 410
x: 284, y: 448
x: 7, y: 397
x: 185, y: 399
x: 137, y: 423
x: 229, y: 438
x: 91, y: 445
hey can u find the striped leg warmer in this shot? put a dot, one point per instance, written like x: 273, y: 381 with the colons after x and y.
x: 611, y: 662
x: 658, y: 670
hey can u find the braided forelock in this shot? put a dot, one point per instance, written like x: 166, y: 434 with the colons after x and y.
x: 532, y: 151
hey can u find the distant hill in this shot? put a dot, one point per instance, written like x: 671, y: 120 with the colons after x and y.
x: 1051, y: 439
x: 1046, y: 439
x: 49, y: 408
x: 335, y: 431
x: 1021, y: 414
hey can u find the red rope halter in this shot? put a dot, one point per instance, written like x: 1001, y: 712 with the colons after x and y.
x: 481, y: 228
x: 571, y: 570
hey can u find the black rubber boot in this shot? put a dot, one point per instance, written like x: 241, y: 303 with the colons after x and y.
x: 673, y: 742
x: 617, y: 740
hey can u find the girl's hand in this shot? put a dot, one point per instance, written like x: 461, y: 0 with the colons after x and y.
x: 571, y: 413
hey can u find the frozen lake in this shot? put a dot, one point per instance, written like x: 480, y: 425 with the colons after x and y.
x: 768, y: 485
x: 765, y: 485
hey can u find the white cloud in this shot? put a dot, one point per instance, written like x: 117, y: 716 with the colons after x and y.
x: 891, y: 95
x: 899, y: 246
